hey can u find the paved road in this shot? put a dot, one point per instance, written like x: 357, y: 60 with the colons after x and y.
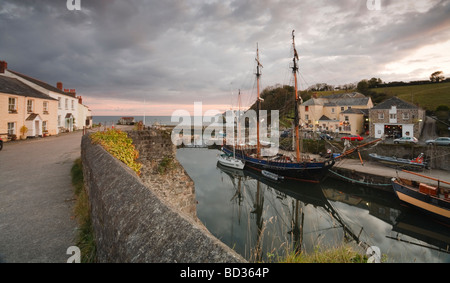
x: 429, y: 130
x: 36, y: 199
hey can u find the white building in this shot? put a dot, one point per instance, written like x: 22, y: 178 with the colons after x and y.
x: 68, y: 116
x: 84, y: 118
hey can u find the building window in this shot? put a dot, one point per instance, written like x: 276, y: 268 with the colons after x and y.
x: 306, y: 108
x: 45, y: 107
x: 44, y: 126
x: 346, y: 118
x: 306, y: 117
x: 381, y: 116
x: 59, y: 102
x: 67, y: 104
x: 73, y: 105
x: 12, y: 105
x: 342, y: 108
x: 30, y: 104
x: 59, y: 120
x: 405, y: 116
x: 392, y: 116
x: 11, y: 128
x: 332, y: 110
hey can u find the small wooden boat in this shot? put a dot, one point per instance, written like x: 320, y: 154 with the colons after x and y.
x: 434, y: 200
x: 416, y: 163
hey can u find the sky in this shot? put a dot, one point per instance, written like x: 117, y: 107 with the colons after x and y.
x: 129, y: 57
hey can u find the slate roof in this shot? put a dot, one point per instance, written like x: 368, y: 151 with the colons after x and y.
x: 32, y: 117
x: 346, y: 95
x: 343, y: 99
x: 325, y: 118
x: 41, y: 83
x: 16, y: 87
x: 395, y: 101
x: 356, y: 111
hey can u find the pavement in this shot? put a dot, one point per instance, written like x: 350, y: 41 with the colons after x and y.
x: 36, y: 199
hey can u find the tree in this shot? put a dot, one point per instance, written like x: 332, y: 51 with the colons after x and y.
x: 437, y: 77
x: 363, y: 87
x: 374, y: 82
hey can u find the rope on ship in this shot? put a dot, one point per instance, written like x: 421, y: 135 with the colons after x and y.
x: 359, y: 182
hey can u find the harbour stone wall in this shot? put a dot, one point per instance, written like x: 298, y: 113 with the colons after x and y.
x: 133, y: 223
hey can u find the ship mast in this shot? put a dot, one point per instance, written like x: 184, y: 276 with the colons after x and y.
x: 297, y: 100
x: 258, y: 101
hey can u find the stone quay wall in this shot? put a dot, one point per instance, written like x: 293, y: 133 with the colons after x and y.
x: 134, y: 224
x: 161, y: 171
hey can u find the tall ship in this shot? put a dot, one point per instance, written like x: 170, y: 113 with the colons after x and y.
x: 281, y: 166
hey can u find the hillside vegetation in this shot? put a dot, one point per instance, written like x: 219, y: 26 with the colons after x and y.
x: 428, y: 96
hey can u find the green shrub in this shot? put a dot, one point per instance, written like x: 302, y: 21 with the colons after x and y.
x: 120, y: 146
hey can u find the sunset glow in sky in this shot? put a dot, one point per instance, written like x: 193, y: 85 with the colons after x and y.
x: 119, y: 53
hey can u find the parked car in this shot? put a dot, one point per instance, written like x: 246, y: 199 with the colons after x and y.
x: 1, y: 143
x: 439, y: 141
x: 406, y: 140
x: 326, y: 137
x: 352, y: 138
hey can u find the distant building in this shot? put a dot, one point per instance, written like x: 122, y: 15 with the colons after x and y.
x: 339, y: 113
x: 126, y: 121
x: 84, y: 114
x: 396, y: 118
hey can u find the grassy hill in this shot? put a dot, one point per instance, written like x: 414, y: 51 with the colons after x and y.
x: 428, y: 96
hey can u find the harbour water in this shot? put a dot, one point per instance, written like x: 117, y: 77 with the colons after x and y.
x: 262, y: 219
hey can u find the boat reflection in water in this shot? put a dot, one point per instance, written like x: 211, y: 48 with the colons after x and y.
x: 261, y: 218
x: 284, y: 216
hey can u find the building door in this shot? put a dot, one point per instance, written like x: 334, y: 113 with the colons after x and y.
x: 393, y: 131
x: 37, y: 128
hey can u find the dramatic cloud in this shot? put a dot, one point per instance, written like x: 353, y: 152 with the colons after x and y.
x: 179, y: 51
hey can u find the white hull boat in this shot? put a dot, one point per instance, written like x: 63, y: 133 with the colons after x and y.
x: 230, y: 161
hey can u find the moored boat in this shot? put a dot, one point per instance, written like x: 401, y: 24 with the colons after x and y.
x: 415, y: 164
x: 230, y: 161
x: 434, y: 200
x: 300, y: 168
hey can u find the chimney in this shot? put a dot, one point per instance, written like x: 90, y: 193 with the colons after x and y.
x: 80, y: 100
x: 59, y: 85
x: 3, y: 66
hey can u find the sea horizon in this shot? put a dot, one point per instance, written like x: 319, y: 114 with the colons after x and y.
x: 148, y: 120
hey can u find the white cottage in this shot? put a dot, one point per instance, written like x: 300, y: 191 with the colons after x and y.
x: 67, y: 100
